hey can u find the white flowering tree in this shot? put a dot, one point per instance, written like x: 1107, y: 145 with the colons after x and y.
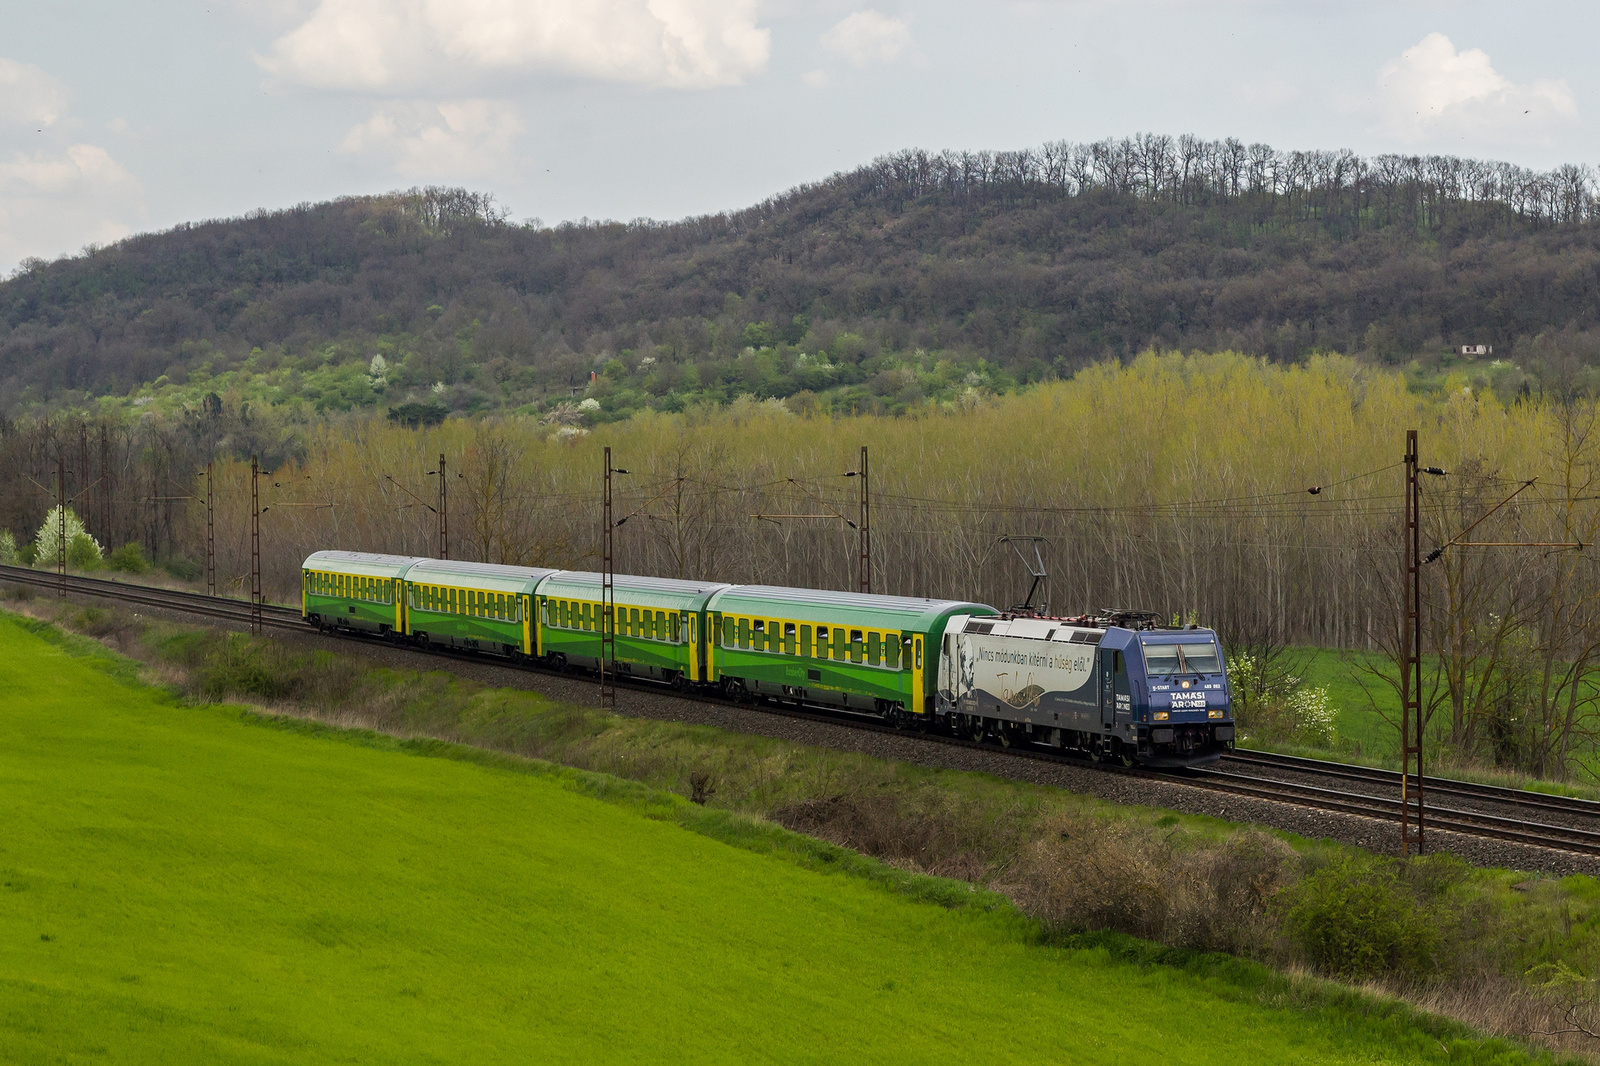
x: 1276, y: 705
x: 83, y: 551
x: 378, y: 372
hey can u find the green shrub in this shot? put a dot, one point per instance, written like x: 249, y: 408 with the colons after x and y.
x: 130, y: 559
x: 184, y: 569
x: 83, y: 553
x: 235, y: 666
x: 1356, y: 919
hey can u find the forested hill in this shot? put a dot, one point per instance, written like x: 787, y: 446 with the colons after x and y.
x: 910, y: 278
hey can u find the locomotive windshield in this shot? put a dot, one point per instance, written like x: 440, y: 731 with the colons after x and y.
x: 1182, y: 658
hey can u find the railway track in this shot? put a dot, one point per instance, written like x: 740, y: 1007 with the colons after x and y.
x: 1360, y: 795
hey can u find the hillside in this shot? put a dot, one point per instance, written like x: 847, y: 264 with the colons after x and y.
x: 182, y: 884
x: 916, y: 277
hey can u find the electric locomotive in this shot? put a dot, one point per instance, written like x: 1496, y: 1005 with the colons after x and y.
x: 1116, y: 686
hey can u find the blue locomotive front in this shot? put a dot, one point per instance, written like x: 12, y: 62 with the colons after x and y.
x: 1167, y: 692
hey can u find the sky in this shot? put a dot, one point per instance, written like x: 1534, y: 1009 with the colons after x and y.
x: 130, y: 116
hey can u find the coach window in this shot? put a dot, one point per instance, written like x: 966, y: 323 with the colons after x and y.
x: 789, y: 635
x: 563, y: 614
x: 855, y: 646
x: 891, y: 650
x: 822, y: 642
x: 919, y: 653
x: 874, y: 648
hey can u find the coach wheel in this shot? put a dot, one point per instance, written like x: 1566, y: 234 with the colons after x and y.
x: 734, y: 689
x: 679, y: 682
x: 558, y: 663
x: 422, y: 640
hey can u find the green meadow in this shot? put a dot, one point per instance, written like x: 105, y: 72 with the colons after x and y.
x: 199, y: 884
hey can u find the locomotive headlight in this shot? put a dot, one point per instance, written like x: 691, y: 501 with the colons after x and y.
x: 1215, y: 712
x: 1162, y: 716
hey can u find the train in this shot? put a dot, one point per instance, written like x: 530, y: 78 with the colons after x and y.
x: 1118, y: 686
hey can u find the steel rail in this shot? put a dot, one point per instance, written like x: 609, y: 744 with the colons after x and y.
x: 1475, y: 823
x: 1450, y: 786
x: 1470, y: 823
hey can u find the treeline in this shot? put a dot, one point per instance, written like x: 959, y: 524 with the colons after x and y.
x: 913, y: 279
x: 1343, y: 191
x: 1262, y: 500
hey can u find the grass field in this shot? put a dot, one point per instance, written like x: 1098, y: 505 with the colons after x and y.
x: 197, y: 884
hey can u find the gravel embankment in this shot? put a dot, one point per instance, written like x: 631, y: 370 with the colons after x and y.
x: 1377, y: 835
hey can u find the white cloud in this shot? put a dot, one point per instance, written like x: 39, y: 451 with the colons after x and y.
x: 389, y: 44
x: 817, y: 79
x: 449, y: 140
x: 1432, y: 89
x: 52, y: 202
x: 29, y: 95
x: 868, y: 38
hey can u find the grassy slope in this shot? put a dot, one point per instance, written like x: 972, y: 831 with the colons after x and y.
x: 181, y: 885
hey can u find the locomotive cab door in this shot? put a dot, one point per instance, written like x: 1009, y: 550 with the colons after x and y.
x: 1108, y: 690
x: 1116, y: 696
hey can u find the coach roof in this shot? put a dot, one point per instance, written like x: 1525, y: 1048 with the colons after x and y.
x: 494, y: 577
x: 360, y: 564
x: 845, y: 608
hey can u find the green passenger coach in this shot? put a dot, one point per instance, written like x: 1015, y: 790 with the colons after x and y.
x: 839, y: 649
x: 474, y: 606
x: 659, y: 624
x: 354, y: 590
